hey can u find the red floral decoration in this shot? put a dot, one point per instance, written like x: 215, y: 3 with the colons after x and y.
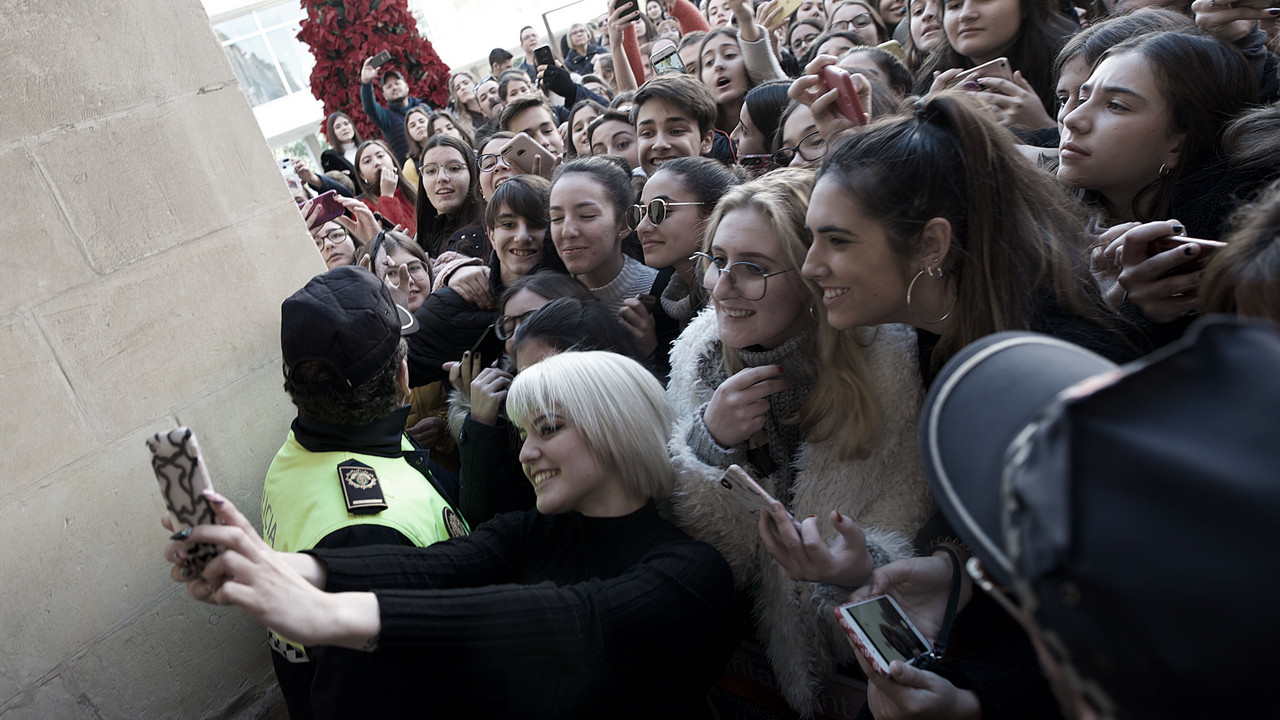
x: 343, y: 33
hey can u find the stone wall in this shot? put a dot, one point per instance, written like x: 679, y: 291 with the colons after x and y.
x: 149, y: 241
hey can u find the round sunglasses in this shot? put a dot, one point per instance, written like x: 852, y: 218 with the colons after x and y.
x: 656, y: 210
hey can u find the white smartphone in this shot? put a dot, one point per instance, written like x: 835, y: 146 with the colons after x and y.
x: 992, y: 68
x: 745, y: 489
x: 183, y: 478
x: 882, y: 632
x: 520, y: 151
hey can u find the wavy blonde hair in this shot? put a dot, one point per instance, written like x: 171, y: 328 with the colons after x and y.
x: 841, y: 405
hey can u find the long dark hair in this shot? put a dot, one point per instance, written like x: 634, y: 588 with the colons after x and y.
x: 370, y: 188
x: 1043, y: 32
x: 332, y: 138
x: 1206, y: 83
x: 434, y: 233
x: 1015, y: 234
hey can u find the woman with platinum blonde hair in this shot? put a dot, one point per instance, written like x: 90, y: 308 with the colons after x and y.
x: 590, y: 606
x: 823, y: 419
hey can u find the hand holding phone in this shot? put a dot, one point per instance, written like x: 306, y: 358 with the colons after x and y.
x: 183, y: 478
x: 380, y: 59
x: 848, y: 103
x: 744, y: 489
x: 329, y: 208
x: 521, y: 151
x: 882, y: 632
x: 544, y: 56
x: 666, y: 59
x: 998, y: 68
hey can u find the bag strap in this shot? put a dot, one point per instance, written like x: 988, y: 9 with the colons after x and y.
x: 953, y: 601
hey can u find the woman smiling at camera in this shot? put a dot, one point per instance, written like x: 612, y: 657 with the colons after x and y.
x: 589, y: 606
x: 824, y: 420
x: 933, y: 219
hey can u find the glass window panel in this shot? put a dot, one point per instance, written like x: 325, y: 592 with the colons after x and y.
x: 290, y: 12
x: 295, y: 60
x: 256, y: 71
x: 235, y: 28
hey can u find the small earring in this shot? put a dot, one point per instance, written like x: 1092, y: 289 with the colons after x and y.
x: 813, y: 313
x: 935, y: 270
x: 1164, y: 171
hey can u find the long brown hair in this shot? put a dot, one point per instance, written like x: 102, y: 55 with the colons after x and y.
x: 1015, y: 234
x: 370, y: 188
x: 841, y: 406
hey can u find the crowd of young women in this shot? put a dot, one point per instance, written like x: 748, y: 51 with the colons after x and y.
x: 1023, y: 165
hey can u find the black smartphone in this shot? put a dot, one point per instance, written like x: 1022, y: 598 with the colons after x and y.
x: 381, y: 58
x: 619, y: 3
x: 544, y: 56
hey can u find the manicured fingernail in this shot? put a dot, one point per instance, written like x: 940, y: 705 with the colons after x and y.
x: 1190, y: 249
x: 970, y: 85
x: 182, y: 534
x: 186, y: 572
x: 1273, y: 12
x: 811, y: 517
x: 1178, y: 228
x: 839, y: 517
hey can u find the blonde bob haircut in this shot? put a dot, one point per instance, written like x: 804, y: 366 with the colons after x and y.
x: 621, y: 410
x: 840, y: 406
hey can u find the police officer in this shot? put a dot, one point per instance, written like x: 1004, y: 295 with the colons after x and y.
x: 346, y: 475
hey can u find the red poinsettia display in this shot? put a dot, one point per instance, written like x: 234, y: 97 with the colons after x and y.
x: 343, y: 33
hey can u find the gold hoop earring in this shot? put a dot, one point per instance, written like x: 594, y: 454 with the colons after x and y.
x: 912, y: 286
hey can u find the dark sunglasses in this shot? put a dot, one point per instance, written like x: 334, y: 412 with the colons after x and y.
x: 656, y: 210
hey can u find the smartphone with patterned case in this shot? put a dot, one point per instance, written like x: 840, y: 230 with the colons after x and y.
x: 183, y: 478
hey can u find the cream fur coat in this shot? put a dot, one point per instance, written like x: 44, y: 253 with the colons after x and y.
x: 885, y: 493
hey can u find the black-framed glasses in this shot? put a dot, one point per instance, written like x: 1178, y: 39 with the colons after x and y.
x: 333, y: 237
x: 505, y: 326
x: 859, y: 21
x: 656, y: 210
x: 489, y: 162
x: 747, y: 278
x: 811, y: 147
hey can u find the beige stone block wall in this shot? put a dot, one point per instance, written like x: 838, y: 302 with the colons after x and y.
x: 149, y: 242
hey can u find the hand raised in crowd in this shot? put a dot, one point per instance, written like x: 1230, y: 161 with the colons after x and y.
x: 367, y: 71
x: 910, y: 693
x: 461, y: 374
x: 738, y: 407
x: 771, y: 16
x: 945, y: 79
x: 1104, y: 263
x: 358, y: 220
x: 310, y: 214
x: 1016, y: 104
x: 1229, y: 21
x: 427, y: 431
x: 922, y: 586
x: 279, y: 590
x: 388, y: 180
x: 800, y: 549
x: 638, y: 321
x: 472, y: 284
x: 810, y: 89
x: 619, y: 18
x: 488, y: 394
x: 1154, y: 282
x: 304, y: 173
x: 743, y: 13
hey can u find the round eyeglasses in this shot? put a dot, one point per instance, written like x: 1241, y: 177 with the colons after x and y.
x: 747, y: 278
x: 811, y: 147
x: 859, y: 21
x: 505, y: 326
x: 656, y: 210
x: 489, y: 162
